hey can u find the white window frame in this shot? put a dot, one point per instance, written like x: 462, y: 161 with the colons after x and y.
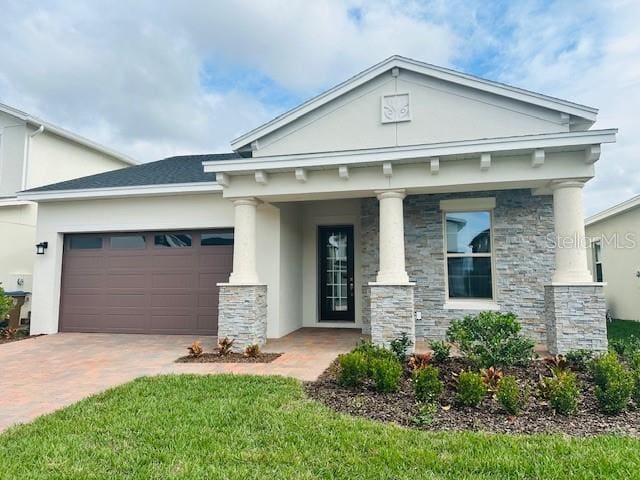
x: 465, y: 205
x: 596, y: 262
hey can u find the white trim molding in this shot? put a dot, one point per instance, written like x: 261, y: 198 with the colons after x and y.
x: 115, y: 192
x: 633, y: 202
x: 468, y: 204
x: 526, y: 143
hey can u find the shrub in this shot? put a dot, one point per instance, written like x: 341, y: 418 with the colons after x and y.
x: 196, y: 350
x: 471, y: 389
x: 491, y: 338
x: 386, y: 374
x: 400, y: 346
x: 427, y: 384
x: 614, y: 383
x: 441, y: 350
x: 252, y: 351
x: 627, y: 348
x: 371, y: 351
x: 563, y: 392
x: 353, y: 369
x: 579, y: 359
x: 6, y: 304
x: 636, y: 386
x: 224, y: 345
x: 511, y: 398
x: 557, y: 363
x: 426, y: 415
x: 491, y: 376
x: 419, y: 360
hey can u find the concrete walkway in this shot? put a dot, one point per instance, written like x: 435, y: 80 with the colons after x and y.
x: 43, y: 374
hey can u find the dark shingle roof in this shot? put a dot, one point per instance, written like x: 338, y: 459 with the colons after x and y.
x: 181, y: 169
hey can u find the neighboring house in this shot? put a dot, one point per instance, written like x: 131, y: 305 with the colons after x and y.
x: 614, y: 256
x: 35, y: 153
x: 339, y: 211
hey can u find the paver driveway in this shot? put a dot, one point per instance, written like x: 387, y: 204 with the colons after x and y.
x: 45, y: 373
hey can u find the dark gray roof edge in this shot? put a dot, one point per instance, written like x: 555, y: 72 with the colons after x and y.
x: 179, y: 169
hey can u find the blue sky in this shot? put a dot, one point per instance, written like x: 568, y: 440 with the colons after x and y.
x: 157, y: 78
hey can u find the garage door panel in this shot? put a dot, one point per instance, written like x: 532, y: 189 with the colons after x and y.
x: 143, y: 290
x: 126, y: 280
x: 209, y: 322
x: 83, y: 299
x: 173, y: 261
x: 128, y: 299
x: 174, y: 323
x: 172, y: 280
x: 89, y: 280
x: 208, y: 299
x: 174, y: 300
x: 89, y: 264
x: 128, y: 263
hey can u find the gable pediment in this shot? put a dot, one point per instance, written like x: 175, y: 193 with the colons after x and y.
x: 398, y: 106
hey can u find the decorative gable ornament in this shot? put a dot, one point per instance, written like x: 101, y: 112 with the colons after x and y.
x: 395, y: 108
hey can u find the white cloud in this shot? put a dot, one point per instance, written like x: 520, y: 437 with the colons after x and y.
x: 130, y: 74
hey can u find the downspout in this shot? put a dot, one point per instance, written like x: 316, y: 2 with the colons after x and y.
x: 27, y: 151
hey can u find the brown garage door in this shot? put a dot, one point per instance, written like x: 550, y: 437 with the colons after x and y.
x: 147, y: 282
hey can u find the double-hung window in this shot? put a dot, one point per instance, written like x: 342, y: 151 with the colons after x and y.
x: 468, y: 247
x: 597, y: 261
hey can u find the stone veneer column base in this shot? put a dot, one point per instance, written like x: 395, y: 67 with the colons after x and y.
x: 242, y: 314
x: 576, y: 317
x: 392, y: 312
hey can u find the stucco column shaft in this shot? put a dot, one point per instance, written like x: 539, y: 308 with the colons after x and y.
x: 244, y: 248
x: 392, y: 261
x: 570, y: 253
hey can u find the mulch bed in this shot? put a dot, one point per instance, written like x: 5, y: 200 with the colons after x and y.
x: 401, y: 407
x: 16, y: 338
x: 229, y: 358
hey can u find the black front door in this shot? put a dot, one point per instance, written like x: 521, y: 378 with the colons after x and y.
x: 335, y: 251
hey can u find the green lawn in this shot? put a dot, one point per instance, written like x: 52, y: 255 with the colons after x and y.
x: 621, y: 329
x: 244, y: 427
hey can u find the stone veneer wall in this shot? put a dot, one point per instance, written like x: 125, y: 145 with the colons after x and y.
x: 576, y: 318
x: 391, y: 313
x: 523, y: 257
x: 242, y: 314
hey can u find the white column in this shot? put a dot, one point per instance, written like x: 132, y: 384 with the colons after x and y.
x: 244, y: 243
x: 571, y: 253
x: 392, y: 262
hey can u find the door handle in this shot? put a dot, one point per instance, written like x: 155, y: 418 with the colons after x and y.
x: 351, y: 285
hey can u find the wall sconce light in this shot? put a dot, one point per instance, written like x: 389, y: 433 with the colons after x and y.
x: 41, y: 247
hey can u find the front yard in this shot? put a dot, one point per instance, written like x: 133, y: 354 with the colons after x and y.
x: 623, y: 329
x: 243, y: 427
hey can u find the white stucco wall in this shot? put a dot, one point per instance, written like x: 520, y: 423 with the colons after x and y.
x: 148, y: 213
x: 12, y: 146
x: 440, y: 112
x: 332, y: 212
x: 620, y: 262
x: 291, y: 285
x: 54, y: 159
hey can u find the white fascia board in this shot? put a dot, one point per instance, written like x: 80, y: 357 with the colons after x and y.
x: 13, y: 202
x: 615, y: 210
x: 396, y: 61
x: 374, y: 155
x: 61, y: 132
x: 119, y: 192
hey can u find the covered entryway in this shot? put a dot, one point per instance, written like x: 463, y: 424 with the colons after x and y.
x: 144, y: 282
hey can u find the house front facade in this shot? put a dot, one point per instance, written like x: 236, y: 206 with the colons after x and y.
x: 614, y: 256
x: 403, y: 198
x: 33, y: 153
